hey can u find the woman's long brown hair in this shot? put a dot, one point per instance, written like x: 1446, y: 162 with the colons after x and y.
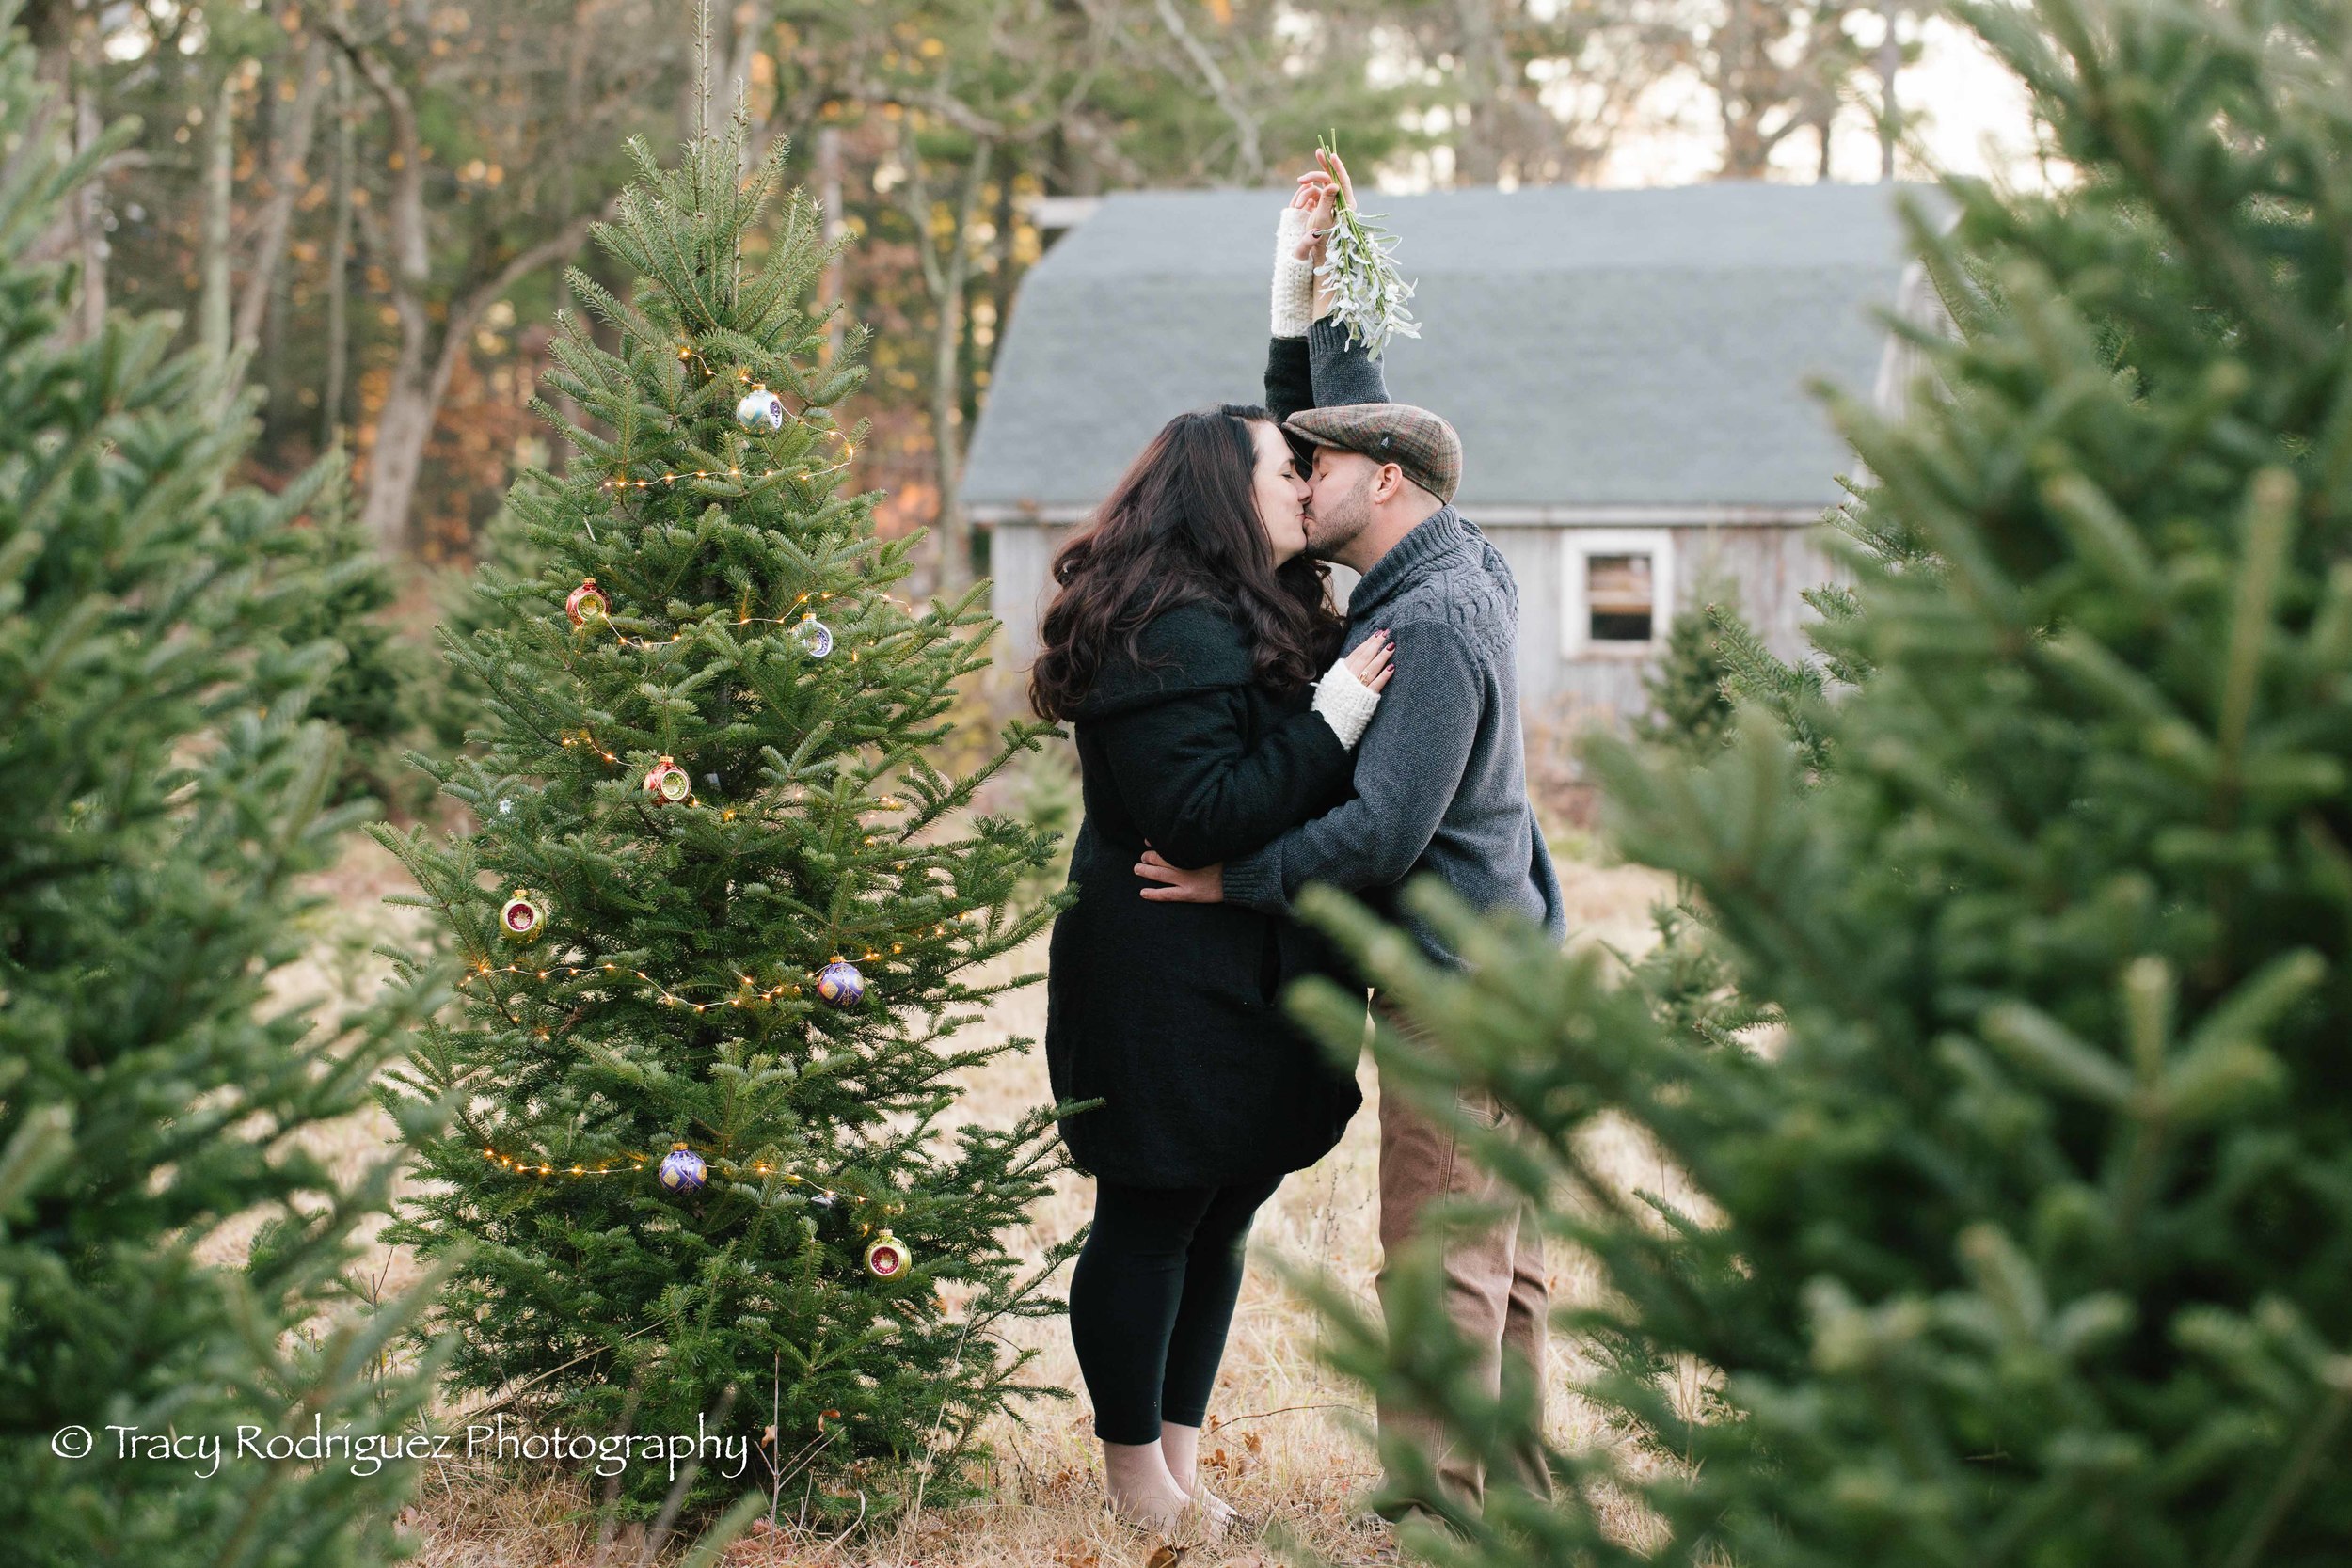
x: 1182, y: 527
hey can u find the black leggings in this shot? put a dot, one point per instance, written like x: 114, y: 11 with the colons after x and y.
x: 1150, y: 1299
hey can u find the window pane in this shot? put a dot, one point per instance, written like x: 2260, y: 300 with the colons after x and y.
x: 1618, y: 595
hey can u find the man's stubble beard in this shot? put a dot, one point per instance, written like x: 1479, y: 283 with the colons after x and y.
x: 1326, y: 536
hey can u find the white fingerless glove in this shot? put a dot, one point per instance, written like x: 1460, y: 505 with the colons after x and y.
x: 1293, y: 275
x: 1345, y: 703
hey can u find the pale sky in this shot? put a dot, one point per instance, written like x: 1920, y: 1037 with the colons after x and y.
x: 1966, y: 109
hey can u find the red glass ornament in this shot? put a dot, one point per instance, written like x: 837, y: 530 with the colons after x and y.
x: 587, y: 604
x: 668, y: 783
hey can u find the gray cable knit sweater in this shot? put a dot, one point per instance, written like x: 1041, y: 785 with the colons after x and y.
x: 1442, y: 774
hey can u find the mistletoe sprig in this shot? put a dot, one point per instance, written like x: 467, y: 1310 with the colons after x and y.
x: 1367, y: 292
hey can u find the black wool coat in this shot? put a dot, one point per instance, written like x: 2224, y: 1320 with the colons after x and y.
x: 1171, y: 1013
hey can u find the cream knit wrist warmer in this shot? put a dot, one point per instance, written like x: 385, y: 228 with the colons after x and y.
x: 1345, y: 703
x: 1294, y: 277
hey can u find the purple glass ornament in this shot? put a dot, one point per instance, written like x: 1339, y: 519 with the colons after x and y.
x: 840, y: 984
x: 682, y: 1170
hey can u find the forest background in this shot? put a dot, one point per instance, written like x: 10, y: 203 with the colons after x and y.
x: 373, y: 202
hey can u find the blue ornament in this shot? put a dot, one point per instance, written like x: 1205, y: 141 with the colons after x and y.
x: 814, y: 636
x: 840, y: 984
x: 761, y: 410
x: 682, y: 1170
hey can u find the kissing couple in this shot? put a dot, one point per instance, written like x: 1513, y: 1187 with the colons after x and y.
x: 1238, y: 738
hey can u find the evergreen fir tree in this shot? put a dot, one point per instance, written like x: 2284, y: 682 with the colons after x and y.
x: 165, y: 789
x: 371, y: 696
x: 454, y: 704
x: 2026, y: 1242
x: 1688, y: 709
x: 704, y: 1166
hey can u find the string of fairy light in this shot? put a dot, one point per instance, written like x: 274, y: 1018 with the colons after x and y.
x: 849, y: 455
x: 587, y: 738
x: 796, y: 616
x: 686, y: 351
x: 748, y: 994
x: 631, y: 1164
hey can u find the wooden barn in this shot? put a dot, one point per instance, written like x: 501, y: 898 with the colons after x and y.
x: 1627, y: 369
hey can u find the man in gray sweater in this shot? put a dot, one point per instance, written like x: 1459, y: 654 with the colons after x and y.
x: 1440, y: 787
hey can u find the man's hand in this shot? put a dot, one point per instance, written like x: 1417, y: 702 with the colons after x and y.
x: 1178, y: 886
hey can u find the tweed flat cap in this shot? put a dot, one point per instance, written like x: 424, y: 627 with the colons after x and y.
x: 1416, y: 440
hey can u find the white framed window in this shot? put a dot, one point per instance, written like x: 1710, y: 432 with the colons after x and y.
x: 1618, y: 595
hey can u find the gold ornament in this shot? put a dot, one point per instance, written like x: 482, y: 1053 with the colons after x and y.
x: 886, y: 1257
x: 522, y: 916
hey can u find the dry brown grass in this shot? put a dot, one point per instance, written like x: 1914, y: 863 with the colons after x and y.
x: 1280, y: 1448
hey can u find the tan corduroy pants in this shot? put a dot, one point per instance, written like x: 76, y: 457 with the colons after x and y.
x: 1496, y: 1289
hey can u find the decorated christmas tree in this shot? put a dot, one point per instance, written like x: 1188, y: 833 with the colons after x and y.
x: 720, y: 917
x: 180, y: 1338
x: 2022, y: 1236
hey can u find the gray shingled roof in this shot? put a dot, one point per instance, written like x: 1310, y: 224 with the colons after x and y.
x: 1594, y: 348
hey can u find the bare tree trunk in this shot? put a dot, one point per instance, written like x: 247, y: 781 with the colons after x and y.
x: 576, y: 61
x: 60, y: 39
x: 1001, y: 275
x: 406, y: 419
x: 763, y: 127
x: 219, y: 164
x: 90, y: 209
x: 289, y: 177
x: 1478, y: 151
x: 338, y: 266
x: 946, y: 278
x: 693, y: 104
x: 421, y: 372
x: 1249, y: 159
x: 48, y: 23
x: 748, y: 24
x: 420, y: 380
x: 396, y: 459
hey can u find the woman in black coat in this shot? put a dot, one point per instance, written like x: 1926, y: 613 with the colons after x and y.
x: 1182, y: 648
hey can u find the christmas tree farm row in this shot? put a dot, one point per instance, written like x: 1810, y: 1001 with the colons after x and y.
x: 2006, y: 1054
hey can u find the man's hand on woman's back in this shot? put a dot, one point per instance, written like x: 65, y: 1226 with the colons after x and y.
x: 1173, y: 884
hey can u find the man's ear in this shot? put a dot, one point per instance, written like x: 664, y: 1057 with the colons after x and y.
x: 1388, y: 483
